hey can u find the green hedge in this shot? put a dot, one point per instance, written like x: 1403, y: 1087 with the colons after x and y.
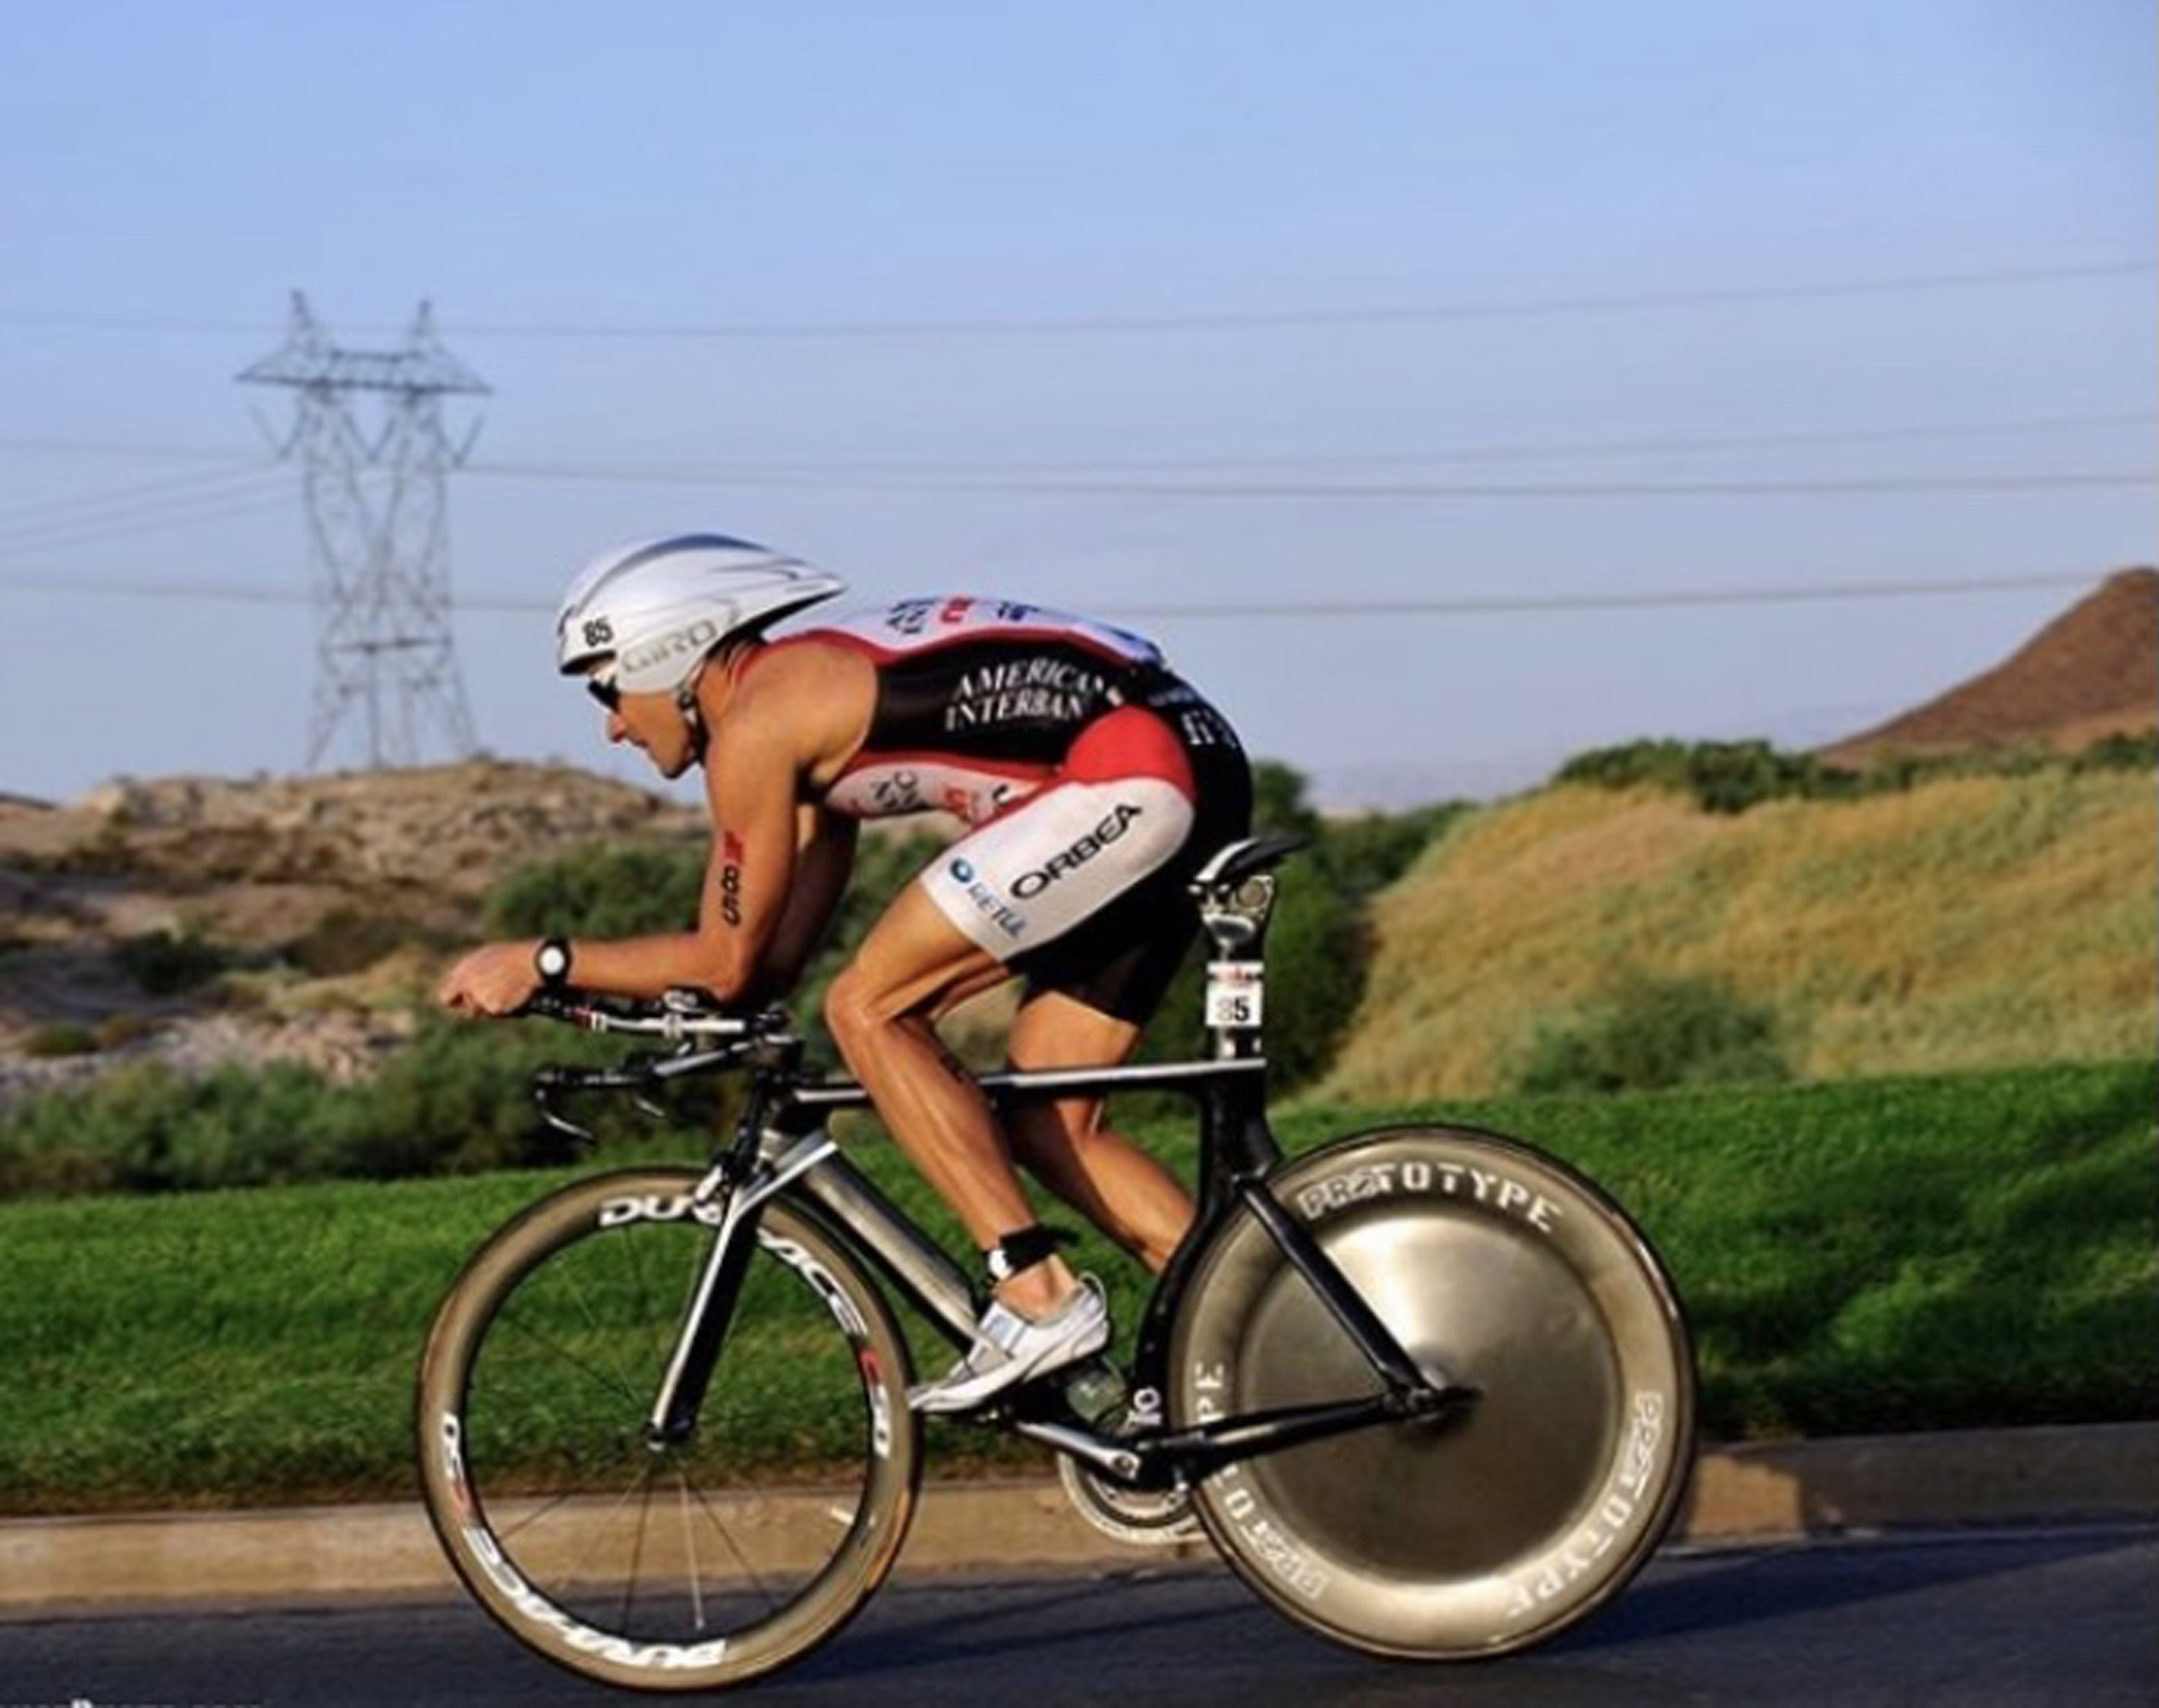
x: 1731, y: 777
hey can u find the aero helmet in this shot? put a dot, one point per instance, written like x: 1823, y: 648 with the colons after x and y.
x: 658, y: 607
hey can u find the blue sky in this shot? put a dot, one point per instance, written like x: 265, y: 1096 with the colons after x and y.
x: 1151, y: 312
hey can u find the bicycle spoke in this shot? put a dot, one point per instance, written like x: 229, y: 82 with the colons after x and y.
x: 599, y: 1530
x: 689, y: 1550
x: 637, y: 1554
x: 508, y: 1532
x: 602, y: 1333
x: 727, y: 1540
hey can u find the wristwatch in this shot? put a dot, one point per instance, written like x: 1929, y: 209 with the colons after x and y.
x: 551, y: 960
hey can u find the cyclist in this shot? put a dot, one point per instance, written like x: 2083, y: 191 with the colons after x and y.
x: 1092, y: 783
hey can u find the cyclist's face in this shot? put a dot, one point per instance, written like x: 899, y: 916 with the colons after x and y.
x: 653, y: 722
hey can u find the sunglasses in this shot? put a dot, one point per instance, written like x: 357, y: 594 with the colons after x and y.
x: 600, y: 685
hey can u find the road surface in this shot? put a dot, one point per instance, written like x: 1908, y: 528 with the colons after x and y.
x: 1975, y: 1619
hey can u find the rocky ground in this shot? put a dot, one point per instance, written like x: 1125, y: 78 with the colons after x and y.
x: 195, y: 920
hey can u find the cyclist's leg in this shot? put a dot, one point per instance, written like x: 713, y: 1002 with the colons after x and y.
x: 1116, y: 1186
x: 914, y: 965
x: 1090, y: 994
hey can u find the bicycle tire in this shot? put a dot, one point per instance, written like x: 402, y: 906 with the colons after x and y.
x: 1497, y: 1529
x: 685, y: 1568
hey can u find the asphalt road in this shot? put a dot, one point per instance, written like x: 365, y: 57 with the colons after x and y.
x: 2067, y: 1617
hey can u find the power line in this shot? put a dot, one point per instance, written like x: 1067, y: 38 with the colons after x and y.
x: 1286, y: 319
x: 1392, y: 491
x: 159, y: 504
x: 89, y: 518
x: 1694, y: 444
x: 1645, y: 599
x: 1474, y: 604
x: 1197, y: 320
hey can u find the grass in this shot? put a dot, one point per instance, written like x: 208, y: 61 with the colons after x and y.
x: 1860, y: 1255
x: 1969, y: 923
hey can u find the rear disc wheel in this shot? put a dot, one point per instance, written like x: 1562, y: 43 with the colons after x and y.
x: 1502, y: 1523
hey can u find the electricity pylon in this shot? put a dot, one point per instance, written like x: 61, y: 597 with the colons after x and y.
x: 379, y: 526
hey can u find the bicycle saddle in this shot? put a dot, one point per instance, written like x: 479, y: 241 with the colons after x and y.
x: 1240, y: 860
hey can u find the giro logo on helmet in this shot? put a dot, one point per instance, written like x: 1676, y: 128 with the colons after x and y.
x: 701, y: 637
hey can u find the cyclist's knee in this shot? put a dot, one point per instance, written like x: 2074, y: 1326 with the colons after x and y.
x: 857, y: 1010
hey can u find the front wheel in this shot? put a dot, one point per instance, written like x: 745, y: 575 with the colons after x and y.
x: 1498, y: 1526
x: 665, y: 1567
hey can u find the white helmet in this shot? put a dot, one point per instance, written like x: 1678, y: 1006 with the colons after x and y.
x: 658, y: 607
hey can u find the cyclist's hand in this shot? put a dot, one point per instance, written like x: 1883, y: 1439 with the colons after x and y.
x: 499, y: 979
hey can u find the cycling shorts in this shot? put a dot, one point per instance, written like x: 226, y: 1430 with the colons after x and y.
x: 1082, y: 886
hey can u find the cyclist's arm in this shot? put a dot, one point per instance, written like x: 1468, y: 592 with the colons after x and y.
x: 753, y: 770
x: 824, y: 857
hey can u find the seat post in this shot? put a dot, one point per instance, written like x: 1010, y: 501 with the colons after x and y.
x: 1235, y: 894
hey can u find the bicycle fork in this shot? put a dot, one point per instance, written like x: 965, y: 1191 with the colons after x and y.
x: 688, y: 1376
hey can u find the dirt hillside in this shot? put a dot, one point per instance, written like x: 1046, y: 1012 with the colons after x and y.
x: 325, y: 897
x: 2091, y: 672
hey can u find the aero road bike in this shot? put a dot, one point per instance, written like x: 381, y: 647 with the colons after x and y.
x: 1428, y: 1391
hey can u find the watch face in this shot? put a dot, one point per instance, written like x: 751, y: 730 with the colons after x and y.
x: 553, y: 961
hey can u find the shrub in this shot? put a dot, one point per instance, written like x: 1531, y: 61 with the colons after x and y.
x: 164, y: 964
x: 601, y: 891
x: 62, y: 1037
x: 1723, y: 776
x: 350, y: 939
x: 1652, y: 1031
x: 2118, y: 753
x: 458, y: 1098
x: 1365, y: 854
x: 1731, y: 777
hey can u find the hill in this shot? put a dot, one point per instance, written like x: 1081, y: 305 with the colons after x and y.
x: 2091, y: 673
x: 1973, y: 921
x: 318, y: 896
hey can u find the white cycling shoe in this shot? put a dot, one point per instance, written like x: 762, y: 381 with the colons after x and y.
x: 1009, y: 1348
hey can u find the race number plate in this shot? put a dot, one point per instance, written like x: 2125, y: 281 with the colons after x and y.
x: 1234, y: 996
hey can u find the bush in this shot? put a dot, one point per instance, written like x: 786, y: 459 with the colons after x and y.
x: 601, y: 891
x: 1722, y: 776
x: 1731, y: 777
x: 1365, y: 854
x: 1651, y: 1032
x: 456, y: 1100
x: 350, y: 939
x: 164, y: 964
x: 62, y: 1037
x: 2120, y: 753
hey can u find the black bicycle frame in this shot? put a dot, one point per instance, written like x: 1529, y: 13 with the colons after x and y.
x: 1238, y: 1150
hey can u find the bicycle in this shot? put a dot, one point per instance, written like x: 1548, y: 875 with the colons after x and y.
x: 1429, y: 1392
